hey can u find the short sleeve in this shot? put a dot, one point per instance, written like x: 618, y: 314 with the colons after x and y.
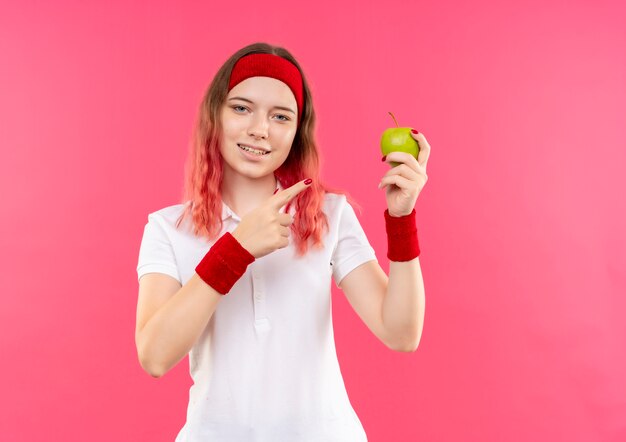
x: 156, y: 254
x: 353, y: 247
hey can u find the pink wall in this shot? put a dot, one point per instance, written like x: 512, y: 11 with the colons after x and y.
x: 521, y: 223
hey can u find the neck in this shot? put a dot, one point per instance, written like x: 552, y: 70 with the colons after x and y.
x: 244, y: 194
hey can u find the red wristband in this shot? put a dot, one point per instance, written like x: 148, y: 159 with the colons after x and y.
x: 224, y: 263
x: 402, y: 244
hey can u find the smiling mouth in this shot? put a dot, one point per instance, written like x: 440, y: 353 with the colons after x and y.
x: 259, y: 153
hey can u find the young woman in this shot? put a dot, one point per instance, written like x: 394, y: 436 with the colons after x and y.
x: 238, y: 276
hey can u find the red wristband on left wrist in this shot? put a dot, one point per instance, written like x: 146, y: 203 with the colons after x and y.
x: 402, y: 242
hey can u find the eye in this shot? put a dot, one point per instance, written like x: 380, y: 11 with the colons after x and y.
x: 237, y: 106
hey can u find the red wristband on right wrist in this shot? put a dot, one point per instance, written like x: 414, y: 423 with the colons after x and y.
x: 224, y: 263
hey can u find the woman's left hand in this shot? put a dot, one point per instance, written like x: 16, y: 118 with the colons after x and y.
x: 404, y: 182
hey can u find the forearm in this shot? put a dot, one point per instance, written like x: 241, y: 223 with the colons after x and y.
x: 169, y: 335
x: 404, y: 303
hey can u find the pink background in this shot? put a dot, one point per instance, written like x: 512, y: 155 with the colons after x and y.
x: 521, y: 223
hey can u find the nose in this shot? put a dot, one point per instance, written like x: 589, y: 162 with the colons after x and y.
x: 258, y: 127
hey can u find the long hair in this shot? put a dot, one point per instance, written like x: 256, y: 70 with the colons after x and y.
x: 203, y: 170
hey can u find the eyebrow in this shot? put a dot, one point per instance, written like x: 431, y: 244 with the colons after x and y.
x: 252, y: 102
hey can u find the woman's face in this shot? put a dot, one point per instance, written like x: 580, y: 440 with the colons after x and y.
x: 262, y: 112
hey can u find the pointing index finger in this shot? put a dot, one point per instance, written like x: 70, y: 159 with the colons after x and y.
x: 283, y: 197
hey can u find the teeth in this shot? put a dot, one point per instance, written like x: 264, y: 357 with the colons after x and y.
x: 254, y: 151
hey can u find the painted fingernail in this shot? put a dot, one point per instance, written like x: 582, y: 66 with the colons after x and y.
x: 383, y: 159
x: 308, y: 181
x: 414, y: 131
x: 276, y: 191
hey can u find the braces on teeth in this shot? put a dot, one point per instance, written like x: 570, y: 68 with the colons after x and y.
x: 256, y: 152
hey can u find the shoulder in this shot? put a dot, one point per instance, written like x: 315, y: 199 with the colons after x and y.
x: 341, y: 215
x: 334, y: 202
x: 167, y: 216
x: 337, y: 206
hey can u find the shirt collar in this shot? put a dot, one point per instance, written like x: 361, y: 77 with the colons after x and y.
x: 227, y: 212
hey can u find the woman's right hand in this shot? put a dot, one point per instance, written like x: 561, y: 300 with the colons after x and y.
x: 265, y: 229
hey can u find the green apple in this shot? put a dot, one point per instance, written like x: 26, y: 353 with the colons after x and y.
x: 398, y: 139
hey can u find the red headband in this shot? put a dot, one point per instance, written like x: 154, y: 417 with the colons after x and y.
x: 269, y: 65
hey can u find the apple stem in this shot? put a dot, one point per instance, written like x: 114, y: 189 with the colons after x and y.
x: 394, y: 119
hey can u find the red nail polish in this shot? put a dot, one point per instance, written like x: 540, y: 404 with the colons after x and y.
x: 383, y: 158
x: 308, y: 181
x: 414, y: 131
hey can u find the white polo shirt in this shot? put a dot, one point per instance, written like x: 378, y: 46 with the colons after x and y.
x: 265, y: 368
